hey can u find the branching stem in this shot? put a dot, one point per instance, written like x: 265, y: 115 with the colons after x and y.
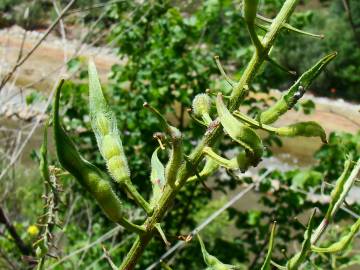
x: 210, y: 137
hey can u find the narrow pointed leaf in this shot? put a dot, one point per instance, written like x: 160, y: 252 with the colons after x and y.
x: 157, y: 177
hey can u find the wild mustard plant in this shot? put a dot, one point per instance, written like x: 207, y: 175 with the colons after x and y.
x: 168, y: 179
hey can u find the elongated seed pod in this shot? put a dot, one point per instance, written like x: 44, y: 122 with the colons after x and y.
x: 241, y: 161
x: 209, y: 168
x: 88, y: 175
x: 267, y: 262
x: 342, y: 244
x: 295, y: 92
x: 299, y: 258
x: 306, y: 129
x: 104, y: 125
x: 342, y: 186
x: 240, y: 133
x: 211, y: 261
x: 176, y: 157
x: 201, y: 107
x: 157, y: 178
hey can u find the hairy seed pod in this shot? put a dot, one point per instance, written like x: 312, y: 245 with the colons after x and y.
x: 104, y: 125
x: 306, y: 129
x: 201, y: 107
x: 295, y: 92
x: 299, y: 258
x: 240, y: 133
x: 342, y: 244
x: 88, y: 175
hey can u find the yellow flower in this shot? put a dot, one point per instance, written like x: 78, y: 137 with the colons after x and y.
x: 33, y: 230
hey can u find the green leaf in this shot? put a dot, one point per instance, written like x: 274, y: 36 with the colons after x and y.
x: 157, y: 177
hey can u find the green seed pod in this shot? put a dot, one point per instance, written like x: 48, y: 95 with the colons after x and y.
x: 110, y: 146
x: 295, y: 92
x: 210, y: 168
x: 240, y: 133
x: 267, y: 263
x: 176, y: 157
x: 342, y: 244
x: 157, y: 178
x: 295, y: 261
x: 306, y: 129
x: 201, y: 107
x: 211, y: 261
x: 239, y: 162
x: 107, y: 199
x: 342, y: 187
x: 104, y: 125
x: 89, y: 176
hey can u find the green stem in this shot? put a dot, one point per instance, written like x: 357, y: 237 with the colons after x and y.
x: 211, y: 136
x: 139, y: 200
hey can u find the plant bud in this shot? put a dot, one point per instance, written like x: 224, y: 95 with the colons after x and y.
x: 201, y: 105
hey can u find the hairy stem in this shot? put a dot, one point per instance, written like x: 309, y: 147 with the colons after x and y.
x: 211, y: 136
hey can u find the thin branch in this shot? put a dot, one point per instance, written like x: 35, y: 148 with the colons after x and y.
x: 24, y: 249
x: 9, y: 75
